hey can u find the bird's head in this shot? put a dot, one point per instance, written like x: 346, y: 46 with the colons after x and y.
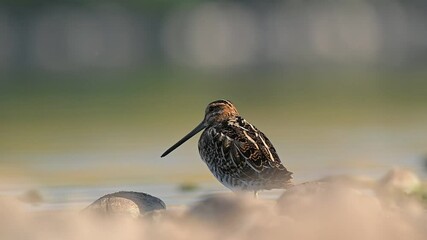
x: 215, y: 112
x: 219, y: 111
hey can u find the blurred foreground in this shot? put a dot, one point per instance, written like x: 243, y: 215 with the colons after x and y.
x: 335, y: 209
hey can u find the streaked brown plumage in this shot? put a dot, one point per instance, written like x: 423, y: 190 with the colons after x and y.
x: 239, y: 155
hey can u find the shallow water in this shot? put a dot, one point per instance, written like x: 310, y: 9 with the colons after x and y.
x: 79, y: 197
x: 74, y: 179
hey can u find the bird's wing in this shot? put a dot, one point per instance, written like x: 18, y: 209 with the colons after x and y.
x: 246, y: 145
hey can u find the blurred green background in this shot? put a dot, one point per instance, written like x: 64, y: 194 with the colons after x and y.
x: 92, y: 93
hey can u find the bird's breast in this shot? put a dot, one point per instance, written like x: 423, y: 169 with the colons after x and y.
x: 207, y: 146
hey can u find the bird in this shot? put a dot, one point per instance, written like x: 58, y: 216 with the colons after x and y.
x: 239, y: 155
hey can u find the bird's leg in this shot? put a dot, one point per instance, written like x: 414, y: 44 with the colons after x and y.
x: 256, y: 194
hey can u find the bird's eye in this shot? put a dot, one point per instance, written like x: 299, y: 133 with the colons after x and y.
x: 211, y: 108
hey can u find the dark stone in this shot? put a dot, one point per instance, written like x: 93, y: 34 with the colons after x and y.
x: 133, y: 204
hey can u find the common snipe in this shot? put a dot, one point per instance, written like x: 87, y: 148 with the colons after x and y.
x: 239, y: 155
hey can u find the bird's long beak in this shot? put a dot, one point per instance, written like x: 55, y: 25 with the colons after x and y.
x: 199, y: 128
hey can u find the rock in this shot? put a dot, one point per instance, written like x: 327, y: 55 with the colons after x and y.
x: 302, y: 194
x: 337, y: 202
x: 133, y: 204
x: 399, y: 180
x: 227, y: 210
x: 217, y: 208
x: 32, y: 196
x: 188, y: 187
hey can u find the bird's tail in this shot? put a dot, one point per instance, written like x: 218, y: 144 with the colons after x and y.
x: 282, y: 181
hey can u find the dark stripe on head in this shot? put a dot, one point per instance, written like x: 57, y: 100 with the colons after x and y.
x: 223, y: 102
x: 220, y: 109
